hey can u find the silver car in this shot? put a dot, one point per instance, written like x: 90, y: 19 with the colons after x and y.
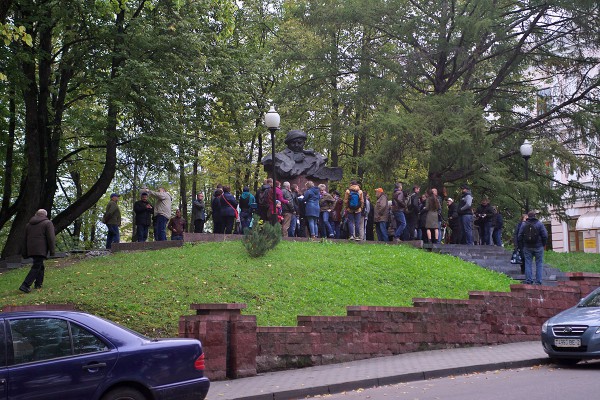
x: 574, y: 334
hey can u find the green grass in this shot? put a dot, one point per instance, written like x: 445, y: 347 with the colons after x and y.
x: 148, y: 291
x: 573, y: 262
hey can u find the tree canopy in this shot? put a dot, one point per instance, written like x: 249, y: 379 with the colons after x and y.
x: 112, y: 95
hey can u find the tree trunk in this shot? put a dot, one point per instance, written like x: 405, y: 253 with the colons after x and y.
x: 98, y: 189
x: 183, y: 186
x: 32, y: 189
x: 5, y: 211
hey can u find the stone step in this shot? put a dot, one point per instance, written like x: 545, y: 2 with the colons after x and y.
x: 494, y: 258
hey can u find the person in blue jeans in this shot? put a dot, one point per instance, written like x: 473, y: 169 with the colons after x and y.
x: 112, y: 219
x: 354, y: 202
x: 465, y: 213
x: 311, y: 208
x: 326, y: 203
x: 533, y: 237
x: 398, y: 209
x: 381, y: 215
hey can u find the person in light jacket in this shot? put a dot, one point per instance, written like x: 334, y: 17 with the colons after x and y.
x: 162, y: 211
x: 382, y: 211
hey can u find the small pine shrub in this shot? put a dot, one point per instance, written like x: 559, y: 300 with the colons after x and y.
x: 261, y: 238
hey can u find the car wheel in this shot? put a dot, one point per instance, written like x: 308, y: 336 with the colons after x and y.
x: 565, y: 361
x: 124, y: 394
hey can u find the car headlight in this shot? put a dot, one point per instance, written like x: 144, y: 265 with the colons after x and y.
x: 545, y: 327
x: 598, y: 330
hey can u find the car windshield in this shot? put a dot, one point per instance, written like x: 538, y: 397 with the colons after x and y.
x: 593, y: 300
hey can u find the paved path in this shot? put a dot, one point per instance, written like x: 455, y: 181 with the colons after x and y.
x: 335, y: 378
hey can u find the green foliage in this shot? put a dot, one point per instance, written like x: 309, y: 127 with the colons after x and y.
x: 261, y: 238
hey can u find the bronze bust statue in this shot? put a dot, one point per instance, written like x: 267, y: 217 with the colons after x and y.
x: 296, y: 161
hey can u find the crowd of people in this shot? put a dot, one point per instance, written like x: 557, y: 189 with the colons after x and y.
x: 313, y: 212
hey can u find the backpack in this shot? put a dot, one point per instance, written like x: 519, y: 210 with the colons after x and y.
x: 354, y: 200
x: 530, y: 234
x: 244, y: 203
x: 263, y: 199
x: 410, y: 206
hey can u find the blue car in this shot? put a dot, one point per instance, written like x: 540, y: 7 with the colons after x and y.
x: 71, y: 355
x: 574, y: 334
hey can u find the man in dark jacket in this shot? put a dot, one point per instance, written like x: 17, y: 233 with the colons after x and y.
x: 143, y: 217
x: 533, y: 237
x: 412, y: 214
x: 198, y: 213
x: 453, y: 221
x: 398, y: 209
x: 39, y: 241
x: 177, y: 226
x: 484, y: 214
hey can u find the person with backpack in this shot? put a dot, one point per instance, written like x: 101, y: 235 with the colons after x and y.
x: 247, y: 206
x: 398, y: 209
x: 353, y: 204
x: 533, y: 237
x: 262, y: 199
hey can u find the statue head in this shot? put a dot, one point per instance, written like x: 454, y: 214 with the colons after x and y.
x: 295, y: 140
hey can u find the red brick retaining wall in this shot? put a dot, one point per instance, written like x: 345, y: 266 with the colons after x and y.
x: 235, y: 347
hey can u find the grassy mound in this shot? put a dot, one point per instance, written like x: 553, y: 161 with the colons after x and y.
x: 148, y: 291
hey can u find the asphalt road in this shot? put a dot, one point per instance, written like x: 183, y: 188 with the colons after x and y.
x: 535, y: 383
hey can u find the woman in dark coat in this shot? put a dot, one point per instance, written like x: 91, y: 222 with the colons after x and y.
x: 215, y: 206
x: 228, y: 206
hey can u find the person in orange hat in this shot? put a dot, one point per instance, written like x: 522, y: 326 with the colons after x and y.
x: 381, y: 215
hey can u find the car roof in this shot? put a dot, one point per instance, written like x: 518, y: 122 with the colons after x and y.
x: 111, y: 330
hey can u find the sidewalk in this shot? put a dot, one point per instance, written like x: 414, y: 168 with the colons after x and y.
x: 335, y: 378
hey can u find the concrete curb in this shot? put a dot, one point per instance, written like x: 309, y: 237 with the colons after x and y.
x: 368, y: 373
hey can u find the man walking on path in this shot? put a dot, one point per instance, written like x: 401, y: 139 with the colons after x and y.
x: 162, y: 211
x: 112, y: 219
x: 532, y: 238
x: 39, y: 241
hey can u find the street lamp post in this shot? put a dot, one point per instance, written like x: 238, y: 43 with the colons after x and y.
x: 272, y: 120
x: 526, y: 151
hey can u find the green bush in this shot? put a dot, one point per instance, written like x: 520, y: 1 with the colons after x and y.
x: 261, y: 238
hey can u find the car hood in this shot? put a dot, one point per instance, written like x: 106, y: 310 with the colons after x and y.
x: 577, y: 316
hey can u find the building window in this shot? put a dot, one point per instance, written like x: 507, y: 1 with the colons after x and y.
x: 575, y: 238
x: 544, y: 101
